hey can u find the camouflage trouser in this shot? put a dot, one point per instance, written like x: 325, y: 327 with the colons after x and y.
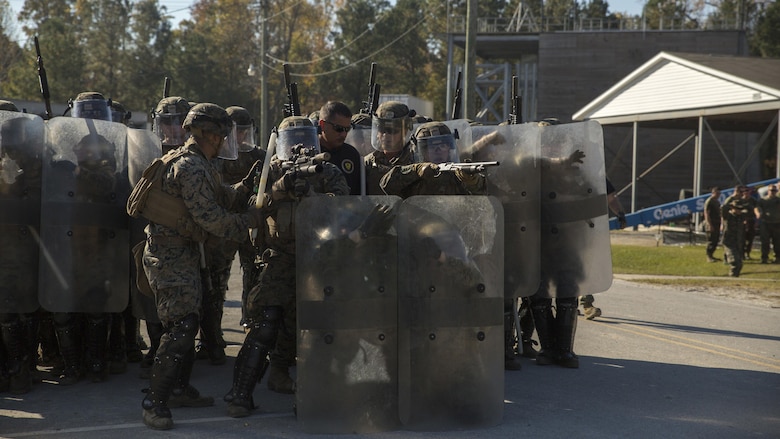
x: 276, y: 287
x: 733, y: 254
x: 174, y: 275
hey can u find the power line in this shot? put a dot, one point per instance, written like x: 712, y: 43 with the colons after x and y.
x: 313, y: 75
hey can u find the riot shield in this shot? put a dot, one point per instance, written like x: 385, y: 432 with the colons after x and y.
x: 21, y: 143
x: 346, y: 314
x: 85, y: 255
x: 143, y: 146
x: 575, y: 253
x: 360, y: 137
x: 515, y: 182
x: 450, y: 312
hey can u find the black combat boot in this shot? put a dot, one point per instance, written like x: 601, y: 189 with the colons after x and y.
x: 165, y: 371
x: 96, y: 337
x: 70, y: 349
x: 545, y: 324
x: 13, y: 334
x: 183, y: 393
x: 565, y: 328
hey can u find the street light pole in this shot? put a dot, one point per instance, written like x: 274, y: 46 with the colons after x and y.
x: 263, y: 75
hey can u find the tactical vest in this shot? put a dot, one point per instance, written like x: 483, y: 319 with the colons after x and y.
x: 150, y: 201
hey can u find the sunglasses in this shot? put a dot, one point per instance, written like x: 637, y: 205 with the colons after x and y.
x: 338, y: 128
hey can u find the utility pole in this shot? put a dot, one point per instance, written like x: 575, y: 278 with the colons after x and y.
x: 263, y: 75
x: 470, y: 71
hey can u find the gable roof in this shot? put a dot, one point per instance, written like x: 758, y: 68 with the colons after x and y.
x: 683, y: 85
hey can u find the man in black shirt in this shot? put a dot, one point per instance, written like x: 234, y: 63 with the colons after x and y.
x: 335, y: 122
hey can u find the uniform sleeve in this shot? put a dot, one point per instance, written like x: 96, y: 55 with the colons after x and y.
x: 198, y: 193
x: 399, y: 178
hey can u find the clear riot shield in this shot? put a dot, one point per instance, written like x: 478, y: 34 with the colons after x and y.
x: 21, y: 144
x: 515, y: 182
x: 143, y: 146
x: 575, y: 252
x: 85, y: 256
x: 360, y: 137
x: 346, y: 314
x: 450, y: 312
x: 461, y: 126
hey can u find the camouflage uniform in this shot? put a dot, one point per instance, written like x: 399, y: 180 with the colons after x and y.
x: 171, y: 258
x: 734, y: 213
x: 220, y: 253
x: 271, y: 305
x: 768, y: 208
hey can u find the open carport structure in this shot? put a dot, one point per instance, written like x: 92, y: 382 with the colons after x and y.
x: 703, y: 94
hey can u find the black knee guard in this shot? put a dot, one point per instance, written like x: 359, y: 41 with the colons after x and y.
x: 175, y: 347
x: 252, y: 360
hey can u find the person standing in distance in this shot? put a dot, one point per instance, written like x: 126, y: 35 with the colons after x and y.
x: 712, y: 219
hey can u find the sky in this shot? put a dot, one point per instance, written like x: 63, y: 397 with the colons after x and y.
x: 179, y: 9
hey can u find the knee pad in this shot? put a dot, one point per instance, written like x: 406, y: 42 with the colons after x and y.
x: 181, y: 336
x: 265, y: 331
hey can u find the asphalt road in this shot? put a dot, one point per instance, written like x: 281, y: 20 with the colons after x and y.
x: 658, y: 363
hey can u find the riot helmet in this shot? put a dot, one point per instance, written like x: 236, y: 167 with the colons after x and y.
x: 296, y: 131
x: 167, y: 119
x: 434, y: 142
x: 91, y: 105
x: 8, y: 106
x: 119, y: 114
x: 361, y: 120
x: 391, y: 126
x: 245, y: 128
x: 211, y: 118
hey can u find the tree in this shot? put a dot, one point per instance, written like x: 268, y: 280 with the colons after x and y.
x: 669, y: 14
x: 12, y: 53
x: 766, y: 40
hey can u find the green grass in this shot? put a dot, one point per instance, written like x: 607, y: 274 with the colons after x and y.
x: 688, y: 261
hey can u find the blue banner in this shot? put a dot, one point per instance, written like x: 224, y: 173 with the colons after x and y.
x: 664, y: 213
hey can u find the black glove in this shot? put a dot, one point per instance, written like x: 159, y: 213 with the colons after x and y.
x: 256, y: 217
x: 284, y: 184
x: 301, y: 187
x: 251, y: 176
x: 575, y: 157
x: 378, y: 221
x: 622, y: 220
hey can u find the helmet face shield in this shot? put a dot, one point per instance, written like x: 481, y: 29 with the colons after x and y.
x: 245, y: 135
x: 92, y: 109
x: 436, y: 149
x: 229, y: 148
x: 289, y: 138
x: 390, y: 135
x: 168, y: 128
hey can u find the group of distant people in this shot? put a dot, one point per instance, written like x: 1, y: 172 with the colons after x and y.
x: 733, y: 224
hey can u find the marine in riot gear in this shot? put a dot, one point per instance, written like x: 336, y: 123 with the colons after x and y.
x: 391, y: 131
x: 191, y: 185
x: 271, y: 303
x: 167, y: 119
